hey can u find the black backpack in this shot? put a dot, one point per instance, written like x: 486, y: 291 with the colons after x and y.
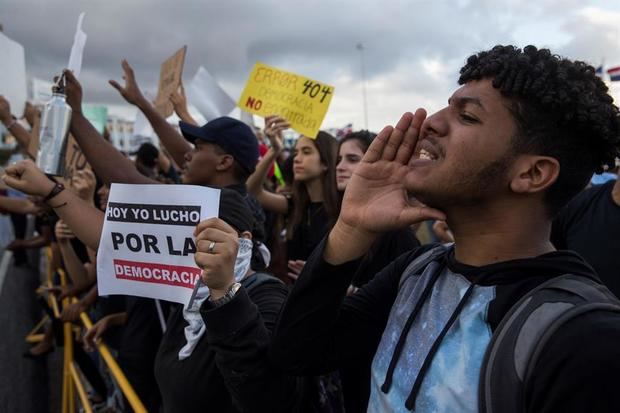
x: 257, y: 279
x: 521, y: 336
x: 518, y: 341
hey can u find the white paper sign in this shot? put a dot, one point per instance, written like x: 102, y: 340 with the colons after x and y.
x: 147, y: 244
x: 142, y: 126
x: 13, y: 74
x: 208, y: 97
x: 247, y: 118
x: 41, y: 91
x: 77, y: 50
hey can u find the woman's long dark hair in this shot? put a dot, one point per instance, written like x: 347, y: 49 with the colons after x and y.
x: 326, y: 145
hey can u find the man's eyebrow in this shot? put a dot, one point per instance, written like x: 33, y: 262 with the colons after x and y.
x: 464, y: 100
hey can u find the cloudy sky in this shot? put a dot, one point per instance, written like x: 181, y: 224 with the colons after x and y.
x: 413, y: 49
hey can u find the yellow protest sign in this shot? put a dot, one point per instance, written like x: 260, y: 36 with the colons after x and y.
x: 303, y: 102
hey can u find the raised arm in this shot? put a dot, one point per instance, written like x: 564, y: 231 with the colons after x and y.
x: 174, y: 142
x: 73, y: 264
x: 17, y: 205
x: 274, y: 125
x: 109, y: 164
x: 179, y: 102
x: 85, y: 220
x: 16, y: 129
x: 319, y: 327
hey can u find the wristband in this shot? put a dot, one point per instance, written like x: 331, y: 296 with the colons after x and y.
x: 11, y: 124
x: 58, y: 188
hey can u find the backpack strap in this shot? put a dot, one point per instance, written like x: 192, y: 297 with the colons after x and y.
x: 520, y: 338
x: 257, y: 279
x: 419, y: 263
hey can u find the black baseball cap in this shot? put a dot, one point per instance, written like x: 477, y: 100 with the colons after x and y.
x: 232, y: 135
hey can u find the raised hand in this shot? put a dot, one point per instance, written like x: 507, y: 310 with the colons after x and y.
x: 73, y: 91
x: 84, y: 183
x: 31, y: 113
x: 179, y: 102
x: 63, y: 232
x: 274, y: 126
x: 26, y: 177
x: 376, y: 199
x: 131, y: 92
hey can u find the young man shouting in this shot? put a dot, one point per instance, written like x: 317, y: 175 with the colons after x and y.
x: 519, y: 138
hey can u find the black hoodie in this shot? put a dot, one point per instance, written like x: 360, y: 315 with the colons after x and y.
x: 427, y: 331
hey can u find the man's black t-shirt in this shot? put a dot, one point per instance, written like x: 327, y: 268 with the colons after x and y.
x: 590, y: 226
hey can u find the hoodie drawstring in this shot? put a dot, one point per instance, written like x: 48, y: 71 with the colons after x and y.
x: 385, y: 387
x: 410, y: 403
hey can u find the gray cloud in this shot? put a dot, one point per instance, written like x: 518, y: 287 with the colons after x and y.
x: 316, y: 38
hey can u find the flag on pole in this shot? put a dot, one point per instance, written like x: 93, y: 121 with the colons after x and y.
x: 614, y: 74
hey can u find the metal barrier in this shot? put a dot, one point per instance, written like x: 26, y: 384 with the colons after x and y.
x: 72, y: 379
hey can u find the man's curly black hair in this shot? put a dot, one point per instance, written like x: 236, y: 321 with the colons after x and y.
x: 562, y: 110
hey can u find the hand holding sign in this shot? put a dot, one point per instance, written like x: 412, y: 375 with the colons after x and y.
x: 217, y: 244
x: 274, y: 126
x: 303, y: 102
x: 147, y: 248
x: 179, y: 102
x: 131, y: 92
x: 73, y: 91
x: 26, y: 177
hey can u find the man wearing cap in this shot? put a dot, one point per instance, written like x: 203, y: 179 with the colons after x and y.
x: 224, y: 151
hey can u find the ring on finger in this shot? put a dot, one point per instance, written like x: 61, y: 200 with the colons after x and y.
x: 211, y: 247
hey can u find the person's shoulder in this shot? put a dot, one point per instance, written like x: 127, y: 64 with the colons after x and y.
x: 408, y: 257
x: 585, y: 197
x: 261, y: 284
x: 591, y: 341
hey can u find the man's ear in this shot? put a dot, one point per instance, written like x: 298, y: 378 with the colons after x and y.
x: 534, y: 173
x: 246, y: 235
x: 226, y: 162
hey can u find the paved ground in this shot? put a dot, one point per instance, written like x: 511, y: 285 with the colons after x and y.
x: 26, y: 385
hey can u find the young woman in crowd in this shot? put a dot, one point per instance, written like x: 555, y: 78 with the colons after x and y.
x: 313, y: 204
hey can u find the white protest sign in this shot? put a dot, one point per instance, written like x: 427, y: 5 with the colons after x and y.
x: 13, y: 74
x: 77, y: 50
x: 41, y: 91
x: 247, y: 118
x: 147, y: 244
x: 208, y: 97
x: 142, y: 126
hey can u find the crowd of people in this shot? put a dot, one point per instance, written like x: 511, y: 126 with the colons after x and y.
x: 319, y: 292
